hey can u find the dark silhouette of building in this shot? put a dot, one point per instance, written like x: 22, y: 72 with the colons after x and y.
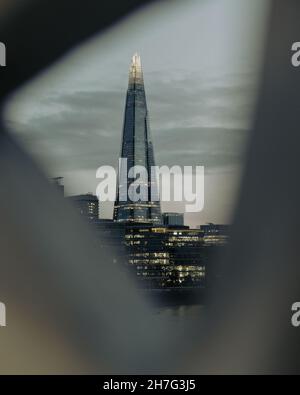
x: 215, y: 234
x: 58, y: 182
x: 87, y: 205
x: 137, y: 149
x: 215, y: 229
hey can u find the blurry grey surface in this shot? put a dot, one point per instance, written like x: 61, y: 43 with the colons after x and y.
x: 249, y: 324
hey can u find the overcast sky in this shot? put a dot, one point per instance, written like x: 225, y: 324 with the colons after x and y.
x: 201, y: 62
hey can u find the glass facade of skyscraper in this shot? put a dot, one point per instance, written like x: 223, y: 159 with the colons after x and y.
x: 137, y: 149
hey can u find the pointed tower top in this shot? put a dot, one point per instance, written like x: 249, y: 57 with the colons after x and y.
x: 136, y: 60
x: 135, y: 73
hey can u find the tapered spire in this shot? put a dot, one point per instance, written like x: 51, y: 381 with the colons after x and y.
x: 136, y: 60
x: 136, y: 72
x: 137, y: 149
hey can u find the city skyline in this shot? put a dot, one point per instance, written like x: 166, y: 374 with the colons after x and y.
x: 200, y: 89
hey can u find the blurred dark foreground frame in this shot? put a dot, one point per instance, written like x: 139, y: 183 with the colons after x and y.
x: 65, y: 319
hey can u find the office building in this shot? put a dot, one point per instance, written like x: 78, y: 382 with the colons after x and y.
x: 137, y: 150
x: 173, y: 219
x: 87, y: 205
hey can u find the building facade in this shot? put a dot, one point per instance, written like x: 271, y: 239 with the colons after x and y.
x: 87, y: 205
x: 173, y: 219
x: 162, y: 257
x: 215, y: 234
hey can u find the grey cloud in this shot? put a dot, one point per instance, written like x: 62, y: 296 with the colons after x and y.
x: 93, y: 100
x: 209, y: 147
x: 86, y: 130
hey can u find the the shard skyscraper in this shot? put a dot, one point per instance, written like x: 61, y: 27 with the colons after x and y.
x: 137, y: 150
